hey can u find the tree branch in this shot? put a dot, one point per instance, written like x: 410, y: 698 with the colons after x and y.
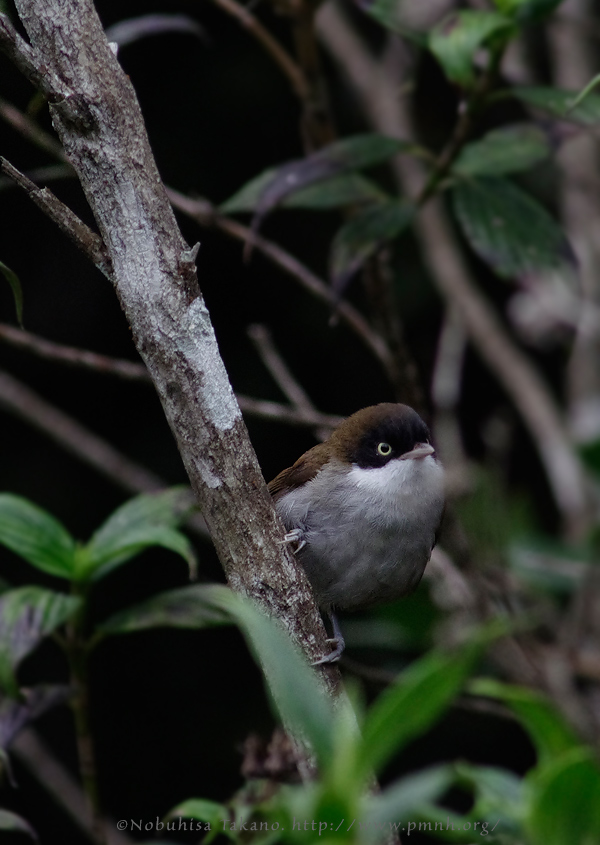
x: 104, y: 137
x: 21, y: 55
x: 75, y: 229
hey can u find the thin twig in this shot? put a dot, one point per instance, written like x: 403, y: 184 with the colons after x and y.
x: 130, y: 371
x: 59, y: 783
x: 69, y: 355
x: 29, y: 129
x: 75, y: 229
x: 379, y: 283
x: 78, y: 659
x: 271, y: 45
x: 288, y: 416
x: 49, y: 173
x: 263, y: 343
x: 22, y: 56
x: 317, y: 121
x: 206, y: 215
x: 463, y: 129
x: 19, y: 400
x: 273, y: 361
x: 24, y: 403
x: 445, y: 393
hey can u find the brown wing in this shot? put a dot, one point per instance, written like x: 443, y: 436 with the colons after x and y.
x: 305, y: 468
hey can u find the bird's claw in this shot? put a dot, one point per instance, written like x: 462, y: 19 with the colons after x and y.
x: 333, y: 656
x: 295, y: 536
x: 337, y: 641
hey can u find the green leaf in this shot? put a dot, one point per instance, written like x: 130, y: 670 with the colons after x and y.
x: 201, y: 809
x: 463, y: 829
x: 187, y: 607
x: 12, y: 822
x: 560, y: 103
x: 499, y: 794
x: 548, y: 564
x: 147, y: 520
x: 548, y: 730
x: 348, y: 189
x: 584, y: 94
x: 495, y: 786
x: 363, y: 235
x: 36, y: 536
x: 17, y: 292
x: 214, y: 814
x: 297, y: 696
x: 103, y: 560
x: 565, y: 800
x: 27, y: 615
x: 457, y: 38
x: 414, y: 703
x: 388, y: 13
x: 527, y: 11
x: 15, y: 713
x: 345, y: 156
x: 507, y: 150
x: 509, y: 229
x: 404, y: 798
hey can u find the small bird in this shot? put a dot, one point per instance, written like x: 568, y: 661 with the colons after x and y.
x: 363, y: 509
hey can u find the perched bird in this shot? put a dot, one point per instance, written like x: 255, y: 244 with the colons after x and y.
x: 363, y: 509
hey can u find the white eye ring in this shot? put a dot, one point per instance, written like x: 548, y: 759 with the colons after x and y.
x: 384, y: 449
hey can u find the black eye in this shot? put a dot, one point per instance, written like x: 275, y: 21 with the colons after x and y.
x: 384, y: 449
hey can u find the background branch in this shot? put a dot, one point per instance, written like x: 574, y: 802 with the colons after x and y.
x: 286, y: 63
x: 24, y: 403
x: 375, y: 87
x: 82, y: 236
x: 263, y: 342
x: 130, y: 371
x: 59, y: 783
x: 206, y: 215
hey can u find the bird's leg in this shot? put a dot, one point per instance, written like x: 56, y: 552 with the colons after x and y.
x: 337, y: 641
x: 296, y: 537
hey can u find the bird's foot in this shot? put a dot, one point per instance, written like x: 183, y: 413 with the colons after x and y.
x: 337, y: 641
x: 295, y: 538
x: 333, y: 656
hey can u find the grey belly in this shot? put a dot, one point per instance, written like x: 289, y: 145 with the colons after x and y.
x: 368, y: 567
